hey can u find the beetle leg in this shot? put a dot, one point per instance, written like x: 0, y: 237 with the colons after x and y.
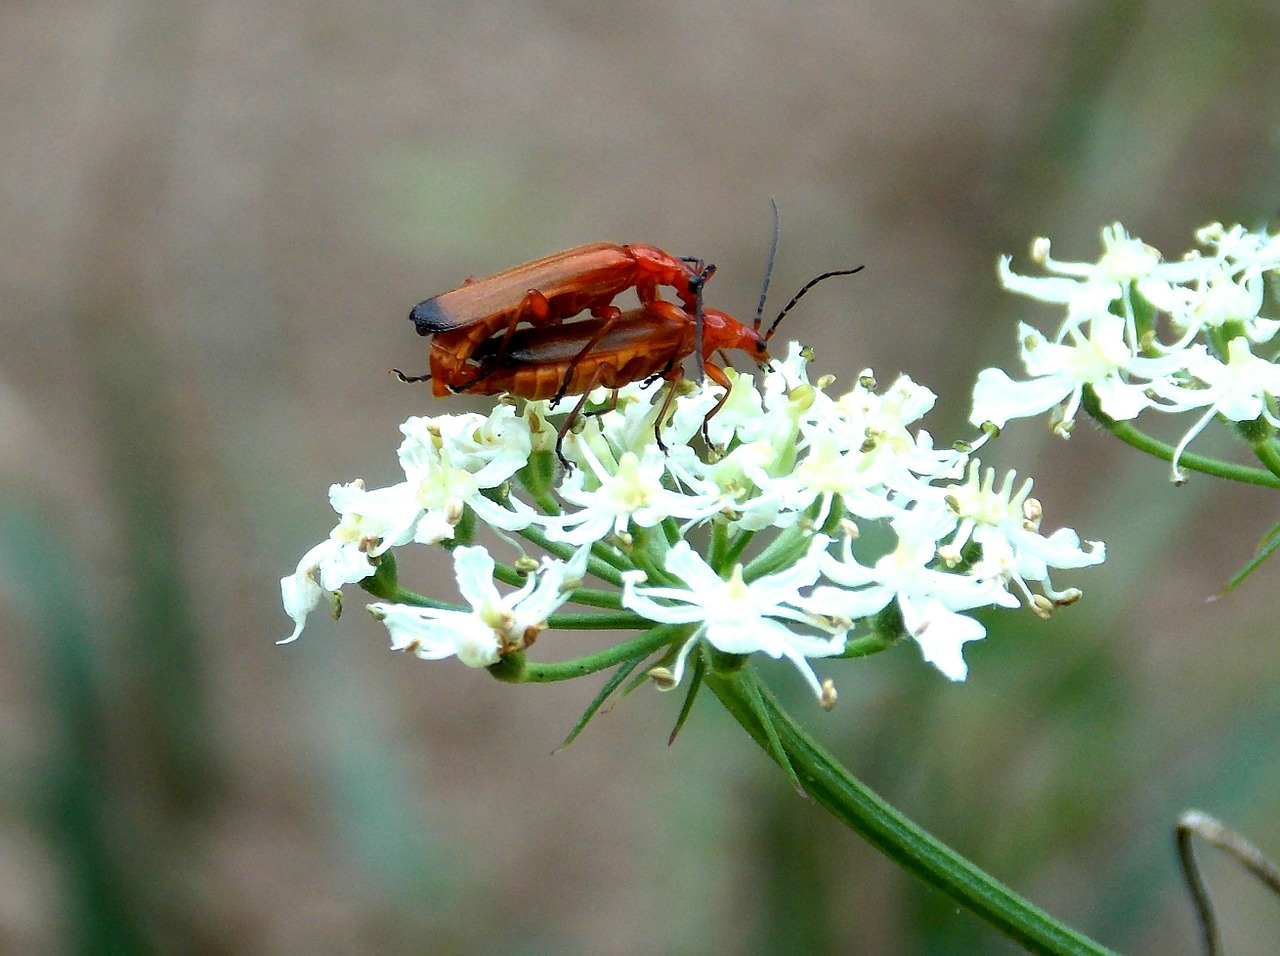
x: 472, y: 383
x: 612, y: 406
x: 534, y: 309
x: 605, y: 326
x: 411, y: 378
x: 672, y: 384
x: 716, y: 374
x: 575, y: 415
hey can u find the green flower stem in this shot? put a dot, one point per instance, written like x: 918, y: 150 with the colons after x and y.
x: 617, y: 621
x: 782, y: 551
x: 399, y: 595
x: 602, y: 564
x: 606, y: 556
x: 1269, y: 454
x: 385, y: 584
x: 1189, y: 460
x: 536, y: 478
x: 736, y: 547
x: 592, y: 597
x: 385, y: 581
x: 648, y: 553
x: 719, y: 543
x: 898, y: 838
x: 516, y: 668
x: 508, y: 575
x: 867, y: 645
x: 1130, y: 435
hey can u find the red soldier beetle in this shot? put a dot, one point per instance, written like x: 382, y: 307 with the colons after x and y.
x: 650, y: 342
x: 546, y: 292
x: 579, y: 357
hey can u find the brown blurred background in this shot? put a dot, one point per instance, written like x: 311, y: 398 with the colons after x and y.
x: 216, y: 217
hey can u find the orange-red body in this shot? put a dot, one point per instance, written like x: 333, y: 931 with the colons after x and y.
x: 574, y: 358
x: 543, y: 293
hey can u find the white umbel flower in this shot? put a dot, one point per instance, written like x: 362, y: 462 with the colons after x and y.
x: 737, y: 617
x: 495, y: 625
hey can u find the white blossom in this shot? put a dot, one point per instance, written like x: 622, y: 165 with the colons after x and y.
x: 449, y: 468
x: 1237, y: 389
x: 930, y: 599
x: 1199, y: 317
x: 371, y: 522
x: 1099, y: 357
x: 737, y: 617
x: 784, y: 458
x: 496, y: 623
x: 633, y: 492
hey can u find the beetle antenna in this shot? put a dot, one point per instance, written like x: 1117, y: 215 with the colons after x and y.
x: 800, y: 295
x: 768, y: 268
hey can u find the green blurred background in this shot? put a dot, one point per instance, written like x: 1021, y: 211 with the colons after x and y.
x: 216, y: 217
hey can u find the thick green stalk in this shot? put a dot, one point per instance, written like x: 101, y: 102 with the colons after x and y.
x: 859, y: 808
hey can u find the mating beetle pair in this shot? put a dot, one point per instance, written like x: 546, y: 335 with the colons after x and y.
x: 508, y: 332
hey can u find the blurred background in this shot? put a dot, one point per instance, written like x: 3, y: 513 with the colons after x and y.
x: 216, y: 217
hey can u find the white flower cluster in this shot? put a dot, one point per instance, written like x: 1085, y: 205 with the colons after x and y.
x: 1144, y: 333
x: 845, y: 509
